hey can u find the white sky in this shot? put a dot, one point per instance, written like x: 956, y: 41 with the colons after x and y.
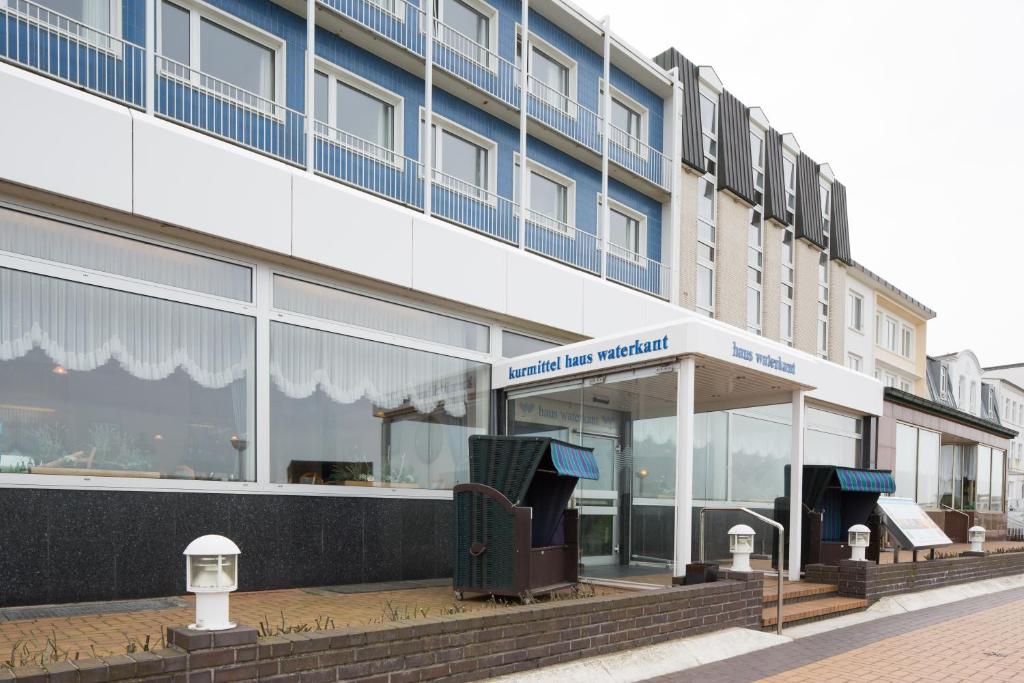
x: 917, y: 107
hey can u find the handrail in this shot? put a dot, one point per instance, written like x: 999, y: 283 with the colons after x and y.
x: 953, y: 509
x: 781, y: 554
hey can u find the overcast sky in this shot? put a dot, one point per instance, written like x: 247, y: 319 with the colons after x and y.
x: 919, y: 109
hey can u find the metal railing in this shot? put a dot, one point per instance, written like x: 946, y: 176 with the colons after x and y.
x: 563, y: 114
x: 397, y: 21
x: 635, y: 155
x: 629, y: 268
x: 468, y: 60
x: 560, y: 241
x: 473, y: 207
x: 367, y: 165
x: 226, y: 111
x: 57, y: 46
x: 781, y: 554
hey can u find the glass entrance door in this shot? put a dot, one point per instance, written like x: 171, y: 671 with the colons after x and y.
x: 629, y: 420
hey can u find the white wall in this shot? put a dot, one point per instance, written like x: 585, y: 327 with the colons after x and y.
x: 860, y: 343
x: 63, y: 141
x: 964, y: 365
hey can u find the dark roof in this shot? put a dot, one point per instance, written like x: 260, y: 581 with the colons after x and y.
x: 923, y: 404
x: 929, y: 313
x: 1005, y: 367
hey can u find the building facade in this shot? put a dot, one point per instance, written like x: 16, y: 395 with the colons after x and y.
x: 1008, y: 398
x: 258, y: 259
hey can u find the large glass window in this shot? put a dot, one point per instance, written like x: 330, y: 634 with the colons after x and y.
x: 929, y: 447
x: 514, y: 344
x: 235, y: 59
x: 463, y: 162
x: 905, y: 471
x: 759, y: 446
x: 320, y: 301
x: 983, y: 487
x: 553, y: 77
x: 548, y: 198
x: 47, y: 238
x: 998, y: 465
x: 99, y: 382
x: 361, y: 115
x: 352, y: 412
x: 624, y: 231
x: 98, y: 14
x: 832, y: 439
x: 175, y: 42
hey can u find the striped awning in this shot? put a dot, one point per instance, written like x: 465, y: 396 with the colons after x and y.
x: 866, y: 481
x: 574, y: 462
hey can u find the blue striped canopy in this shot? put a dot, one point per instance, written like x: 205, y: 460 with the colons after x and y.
x: 574, y: 462
x: 866, y: 481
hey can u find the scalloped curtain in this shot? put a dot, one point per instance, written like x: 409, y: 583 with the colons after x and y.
x: 348, y: 369
x: 83, y: 327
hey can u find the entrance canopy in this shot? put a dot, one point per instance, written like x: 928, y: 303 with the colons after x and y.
x: 734, y: 368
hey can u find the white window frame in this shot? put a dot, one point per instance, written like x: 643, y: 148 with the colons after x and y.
x: 197, y: 11
x: 85, y: 34
x: 488, y: 11
x: 943, y: 377
x: 337, y: 73
x: 490, y: 193
x: 524, y: 196
x: 854, y: 362
x: 906, y: 333
x: 856, y: 303
x: 641, y: 253
x: 643, y: 147
x: 556, y: 55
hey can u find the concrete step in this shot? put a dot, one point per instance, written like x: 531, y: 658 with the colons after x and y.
x: 796, y: 591
x: 811, y: 610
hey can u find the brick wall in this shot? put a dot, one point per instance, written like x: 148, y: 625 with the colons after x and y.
x: 772, y: 278
x: 837, y: 313
x: 459, y: 648
x: 874, y: 581
x: 805, y: 333
x: 822, y: 573
x: 688, y: 240
x: 731, y: 261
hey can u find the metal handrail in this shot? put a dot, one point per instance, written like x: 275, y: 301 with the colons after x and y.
x: 953, y: 509
x: 781, y: 553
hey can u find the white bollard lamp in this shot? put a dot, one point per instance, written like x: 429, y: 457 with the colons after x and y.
x: 858, y: 537
x: 976, y: 535
x: 741, y: 545
x: 212, y: 574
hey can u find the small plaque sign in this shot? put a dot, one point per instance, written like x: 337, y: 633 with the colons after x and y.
x: 909, y: 523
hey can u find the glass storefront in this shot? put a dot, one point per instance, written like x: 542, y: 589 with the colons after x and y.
x: 961, y: 476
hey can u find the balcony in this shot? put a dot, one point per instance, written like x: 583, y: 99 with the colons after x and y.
x: 639, y: 272
x: 565, y: 115
x: 638, y: 157
x: 38, y: 39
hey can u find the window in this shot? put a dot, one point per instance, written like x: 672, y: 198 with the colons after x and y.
x: 757, y: 160
x: 233, y: 59
x: 628, y: 122
x: 463, y: 161
x: 906, y: 385
x: 102, y: 15
x: 355, y: 412
x: 467, y: 20
x: 514, y: 344
x: 943, y: 380
x: 890, y: 336
x: 786, y: 286
x: 550, y: 77
x: 854, y: 362
x: 709, y: 126
x: 755, y: 236
x: 357, y: 113
x: 919, y: 462
x: 823, y: 273
x: 906, y: 341
x: 469, y: 28
x: 856, y: 312
x: 627, y: 230
x: 550, y: 198
x: 973, y: 398
x: 789, y: 178
x: 706, y: 209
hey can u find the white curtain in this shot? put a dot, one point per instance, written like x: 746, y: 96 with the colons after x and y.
x: 82, y: 328
x: 349, y: 369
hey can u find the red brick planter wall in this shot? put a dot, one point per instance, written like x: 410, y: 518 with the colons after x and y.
x: 462, y: 647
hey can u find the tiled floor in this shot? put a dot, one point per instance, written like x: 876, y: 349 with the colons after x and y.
x: 981, y: 639
x: 112, y: 633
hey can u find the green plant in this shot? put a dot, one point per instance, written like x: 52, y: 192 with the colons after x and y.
x: 49, y: 441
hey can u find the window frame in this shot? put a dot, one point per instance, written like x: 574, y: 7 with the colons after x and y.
x: 488, y: 12
x: 334, y: 74
x: 197, y: 11
x: 88, y: 35
x: 856, y: 301
x: 854, y: 362
x: 641, y: 253
x: 442, y: 124
x: 523, y: 200
x: 906, y: 340
x: 555, y: 55
x: 643, y: 148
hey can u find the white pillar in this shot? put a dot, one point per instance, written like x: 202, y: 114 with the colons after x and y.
x: 606, y: 116
x: 796, y: 486
x: 428, y: 110
x: 150, y: 69
x: 684, y: 465
x: 310, y: 81
x: 524, y: 100
x: 676, y: 204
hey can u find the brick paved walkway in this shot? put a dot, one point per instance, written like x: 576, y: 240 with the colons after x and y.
x: 981, y: 639
x: 111, y: 633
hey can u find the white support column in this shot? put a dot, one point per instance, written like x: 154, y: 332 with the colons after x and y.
x: 150, y: 70
x: 676, y: 201
x: 684, y: 466
x: 310, y: 82
x: 524, y: 100
x: 796, y: 485
x: 606, y: 116
x: 428, y: 110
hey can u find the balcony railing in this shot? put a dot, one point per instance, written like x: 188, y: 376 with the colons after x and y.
x: 564, y: 114
x: 639, y: 272
x: 562, y: 242
x: 397, y: 21
x: 57, y: 46
x: 639, y: 157
x: 226, y: 111
x: 473, y: 207
x: 468, y: 60
x: 368, y: 166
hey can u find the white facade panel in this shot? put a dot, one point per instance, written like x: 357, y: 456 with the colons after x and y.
x: 610, y: 309
x: 61, y: 140
x: 453, y: 263
x: 347, y: 229
x: 188, y: 179
x: 545, y: 292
